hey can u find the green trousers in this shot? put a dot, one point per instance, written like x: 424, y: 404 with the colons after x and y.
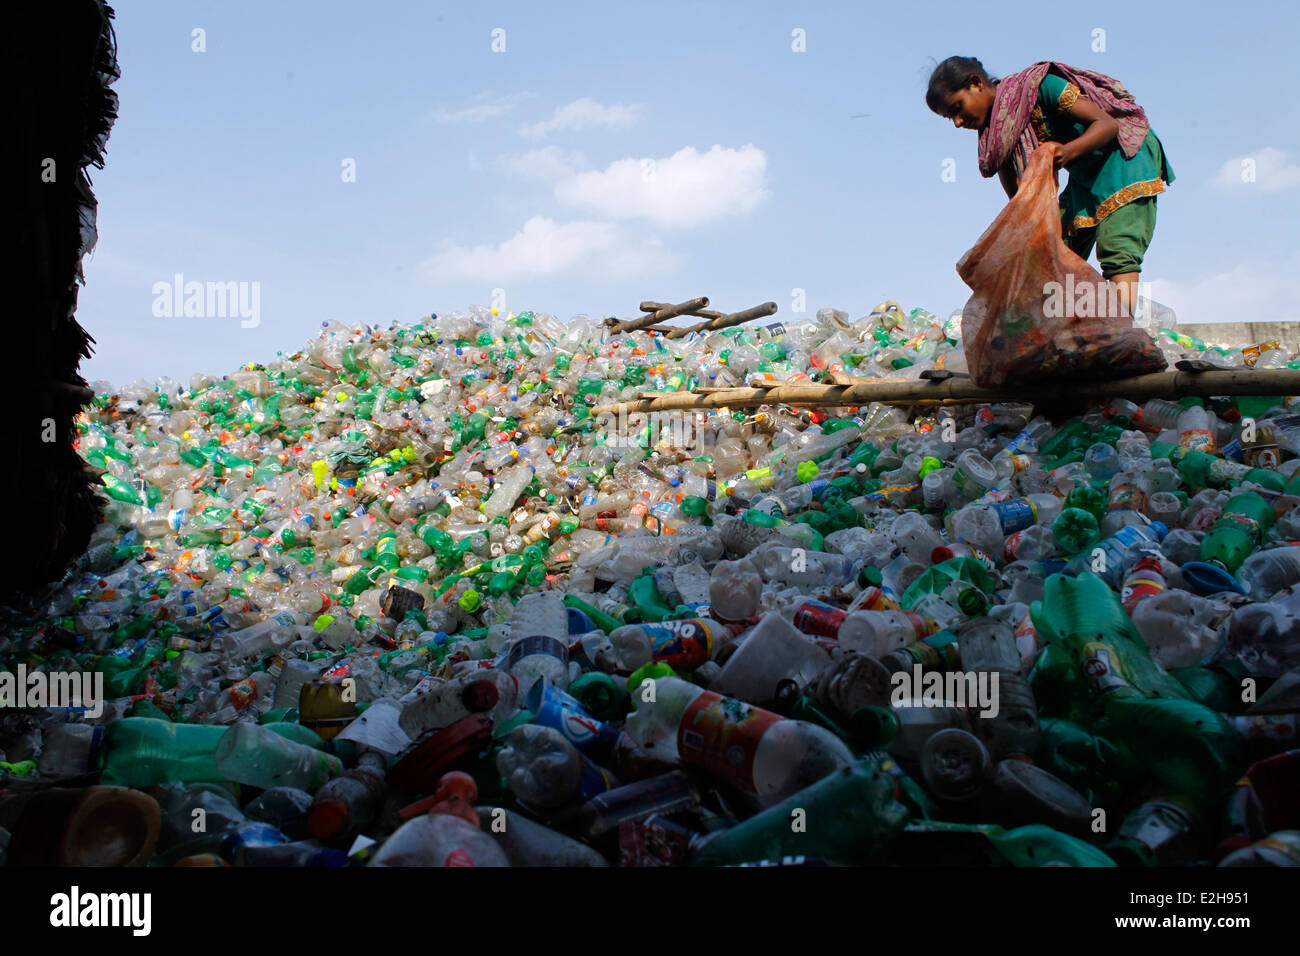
x: 1121, y: 238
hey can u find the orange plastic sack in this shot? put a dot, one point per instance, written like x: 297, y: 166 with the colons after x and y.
x: 1039, y: 312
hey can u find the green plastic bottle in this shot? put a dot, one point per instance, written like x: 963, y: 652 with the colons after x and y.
x: 1099, y: 768
x: 1246, y: 518
x: 848, y: 816
x: 1073, y: 435
x: 936, y: 843
x: 646, y: 599
x: 145, y: 752
x: 1075, y: 529
x: 1217, y: 686
x: 1201, y: 470
x: 1086, y: 618
x: 1091, y: 500
x: 598, y: 617
x: 937, y: 578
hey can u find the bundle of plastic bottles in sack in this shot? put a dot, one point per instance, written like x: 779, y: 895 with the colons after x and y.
x: 400, y: 598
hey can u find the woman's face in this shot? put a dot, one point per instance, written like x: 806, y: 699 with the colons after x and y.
x: 968, y: 108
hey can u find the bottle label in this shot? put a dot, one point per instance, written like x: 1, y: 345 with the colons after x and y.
x: 1138, y: 589
x: 1019, y: 463
x: 561, y: 712
x: 594, y: 781
x: 537, y: 644
x: 892, y: 493
x: 922, y: 626
x: 1016, y: 514
x: 1264, y: 455
x: 1012, y: 545
x: 872, y: 599
x: 1127, y: 498
x: 1197, y: 439
x: 458, y: 857
x: 983, y: 557
x: 721, y: 735
x: 1243, y: 521
x: 1013, y: 446
x: 682, y: 645
x: 927, y: 657
x: 819, y: 619
x: 1101, y: 667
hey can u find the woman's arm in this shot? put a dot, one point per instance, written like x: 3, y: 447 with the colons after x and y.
x: 1101, y: 130
x: 1008, y: 178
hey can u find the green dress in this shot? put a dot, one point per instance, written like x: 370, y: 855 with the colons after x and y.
x: 1103, y: 180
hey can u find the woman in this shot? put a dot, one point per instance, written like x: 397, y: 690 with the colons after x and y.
x: 1099, y: 134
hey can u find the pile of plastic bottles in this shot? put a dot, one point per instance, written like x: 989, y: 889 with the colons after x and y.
x: 400, y: 598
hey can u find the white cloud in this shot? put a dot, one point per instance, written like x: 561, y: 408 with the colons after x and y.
x: 547, y: 164
x: 471, y: 114
x: 1268, y: 168
x: 583, y: 114
x: 1252, y: 292
x: 542, y: 249
x: 483, y: 107
x: 687, y: 188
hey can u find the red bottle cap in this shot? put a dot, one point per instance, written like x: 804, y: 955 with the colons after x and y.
x: 327, y: 818
x: 480, y: 695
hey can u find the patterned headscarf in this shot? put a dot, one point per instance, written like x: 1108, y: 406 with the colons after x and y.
x: 1008, y: 135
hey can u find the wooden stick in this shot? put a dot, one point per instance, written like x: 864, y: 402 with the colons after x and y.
x: 702, y: 313
x: 725, y: 321
x: 1171, y: 384
x: 663, y: 313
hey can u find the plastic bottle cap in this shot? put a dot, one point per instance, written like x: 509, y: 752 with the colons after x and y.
x: 873, y: 726
x: 870, y: 576
x: 1206, y: 578
x: 327, y: 818
x: 479, y: 696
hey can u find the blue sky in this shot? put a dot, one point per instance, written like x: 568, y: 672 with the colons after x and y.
x: 616, y: 152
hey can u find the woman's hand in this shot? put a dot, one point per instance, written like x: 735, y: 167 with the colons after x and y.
x: 1061, y: 154
x: 1100, y: 130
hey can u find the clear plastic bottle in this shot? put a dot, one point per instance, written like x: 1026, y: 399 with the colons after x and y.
x: 544, y: 769
x: 1265, y: 573
x: 756, y: 750
x: 254, y: 754
x: 734, y: 590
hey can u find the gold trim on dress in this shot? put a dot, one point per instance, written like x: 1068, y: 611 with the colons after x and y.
x: 1148, y: 187
x: 1040, y: 124
x: 1067, y: 97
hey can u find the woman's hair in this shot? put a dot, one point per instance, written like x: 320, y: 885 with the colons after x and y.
x: 951, y: 75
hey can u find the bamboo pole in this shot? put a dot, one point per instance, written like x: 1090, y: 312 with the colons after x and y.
x: 661, y: 314
x: 725, y: 321
x: 1170, y: 384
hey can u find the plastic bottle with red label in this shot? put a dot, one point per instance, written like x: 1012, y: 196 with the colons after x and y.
x: 756, y: 750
